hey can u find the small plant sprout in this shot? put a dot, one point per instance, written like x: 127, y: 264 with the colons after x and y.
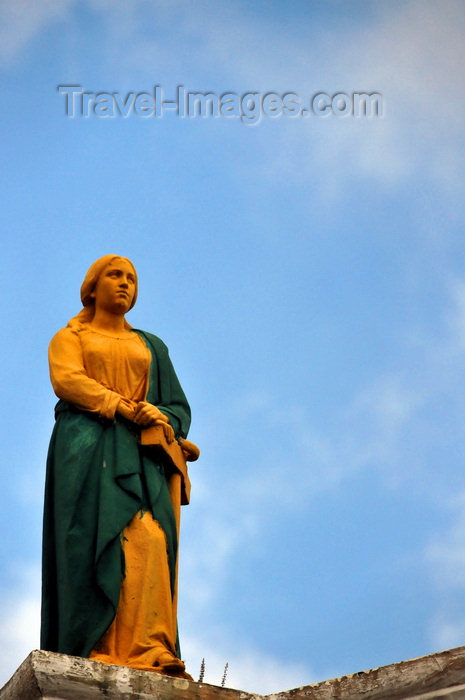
x: 225, y: 673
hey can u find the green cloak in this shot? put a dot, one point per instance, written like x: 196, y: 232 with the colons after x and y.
x: 98, y: 478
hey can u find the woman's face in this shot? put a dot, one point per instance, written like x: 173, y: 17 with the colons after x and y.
x: 115, y: 288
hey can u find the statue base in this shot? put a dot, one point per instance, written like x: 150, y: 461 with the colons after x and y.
x: 49, y: 676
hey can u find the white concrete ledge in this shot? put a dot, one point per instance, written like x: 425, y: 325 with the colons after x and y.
x: 439, y: 675
x: 48, y: 676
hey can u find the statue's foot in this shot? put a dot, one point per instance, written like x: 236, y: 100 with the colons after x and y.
x: 170, y: 665
x: 180, y: 674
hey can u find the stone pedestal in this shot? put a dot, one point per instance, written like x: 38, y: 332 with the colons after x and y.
x: 48, y: 676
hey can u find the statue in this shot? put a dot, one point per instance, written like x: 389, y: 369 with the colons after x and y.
x: 116, y: 477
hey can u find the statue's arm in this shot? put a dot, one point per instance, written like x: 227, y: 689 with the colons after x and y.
x: 71, y: 382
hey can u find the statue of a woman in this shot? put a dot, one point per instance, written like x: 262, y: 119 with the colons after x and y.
x: 112, y: 496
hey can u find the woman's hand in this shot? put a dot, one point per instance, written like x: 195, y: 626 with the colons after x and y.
x: 146, y: 414
x: 168, y: 431
x: 126, y: 409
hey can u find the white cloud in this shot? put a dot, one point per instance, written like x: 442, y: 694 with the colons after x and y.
x: 415, y: 56
x: 445, y: 556
x: 388, y: 429
x: 283, y: 478
x: 21, y: 22
x: 249, y: 669
x: 205, y: 562
x: 446, y: 633
x: 446, y: 552
x: 367, y: 434
x: 456, y: 317
x: 19, y: 617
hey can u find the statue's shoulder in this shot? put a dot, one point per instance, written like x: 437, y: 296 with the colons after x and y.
x: 68, y: 333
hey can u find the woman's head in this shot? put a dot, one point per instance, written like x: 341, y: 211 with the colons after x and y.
x: 93, y: 274
x: 88, y: 287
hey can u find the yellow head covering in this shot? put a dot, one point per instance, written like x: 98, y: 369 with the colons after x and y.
x: 90, y: 280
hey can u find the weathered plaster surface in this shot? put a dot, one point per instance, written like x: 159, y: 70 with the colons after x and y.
x: 48, y: 676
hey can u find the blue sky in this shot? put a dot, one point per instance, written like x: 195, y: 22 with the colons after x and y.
x: 308, y: 278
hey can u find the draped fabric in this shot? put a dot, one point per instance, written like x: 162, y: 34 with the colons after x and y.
x: 98, y: 478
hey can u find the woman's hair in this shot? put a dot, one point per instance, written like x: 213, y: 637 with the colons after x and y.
x: 90, y: 281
